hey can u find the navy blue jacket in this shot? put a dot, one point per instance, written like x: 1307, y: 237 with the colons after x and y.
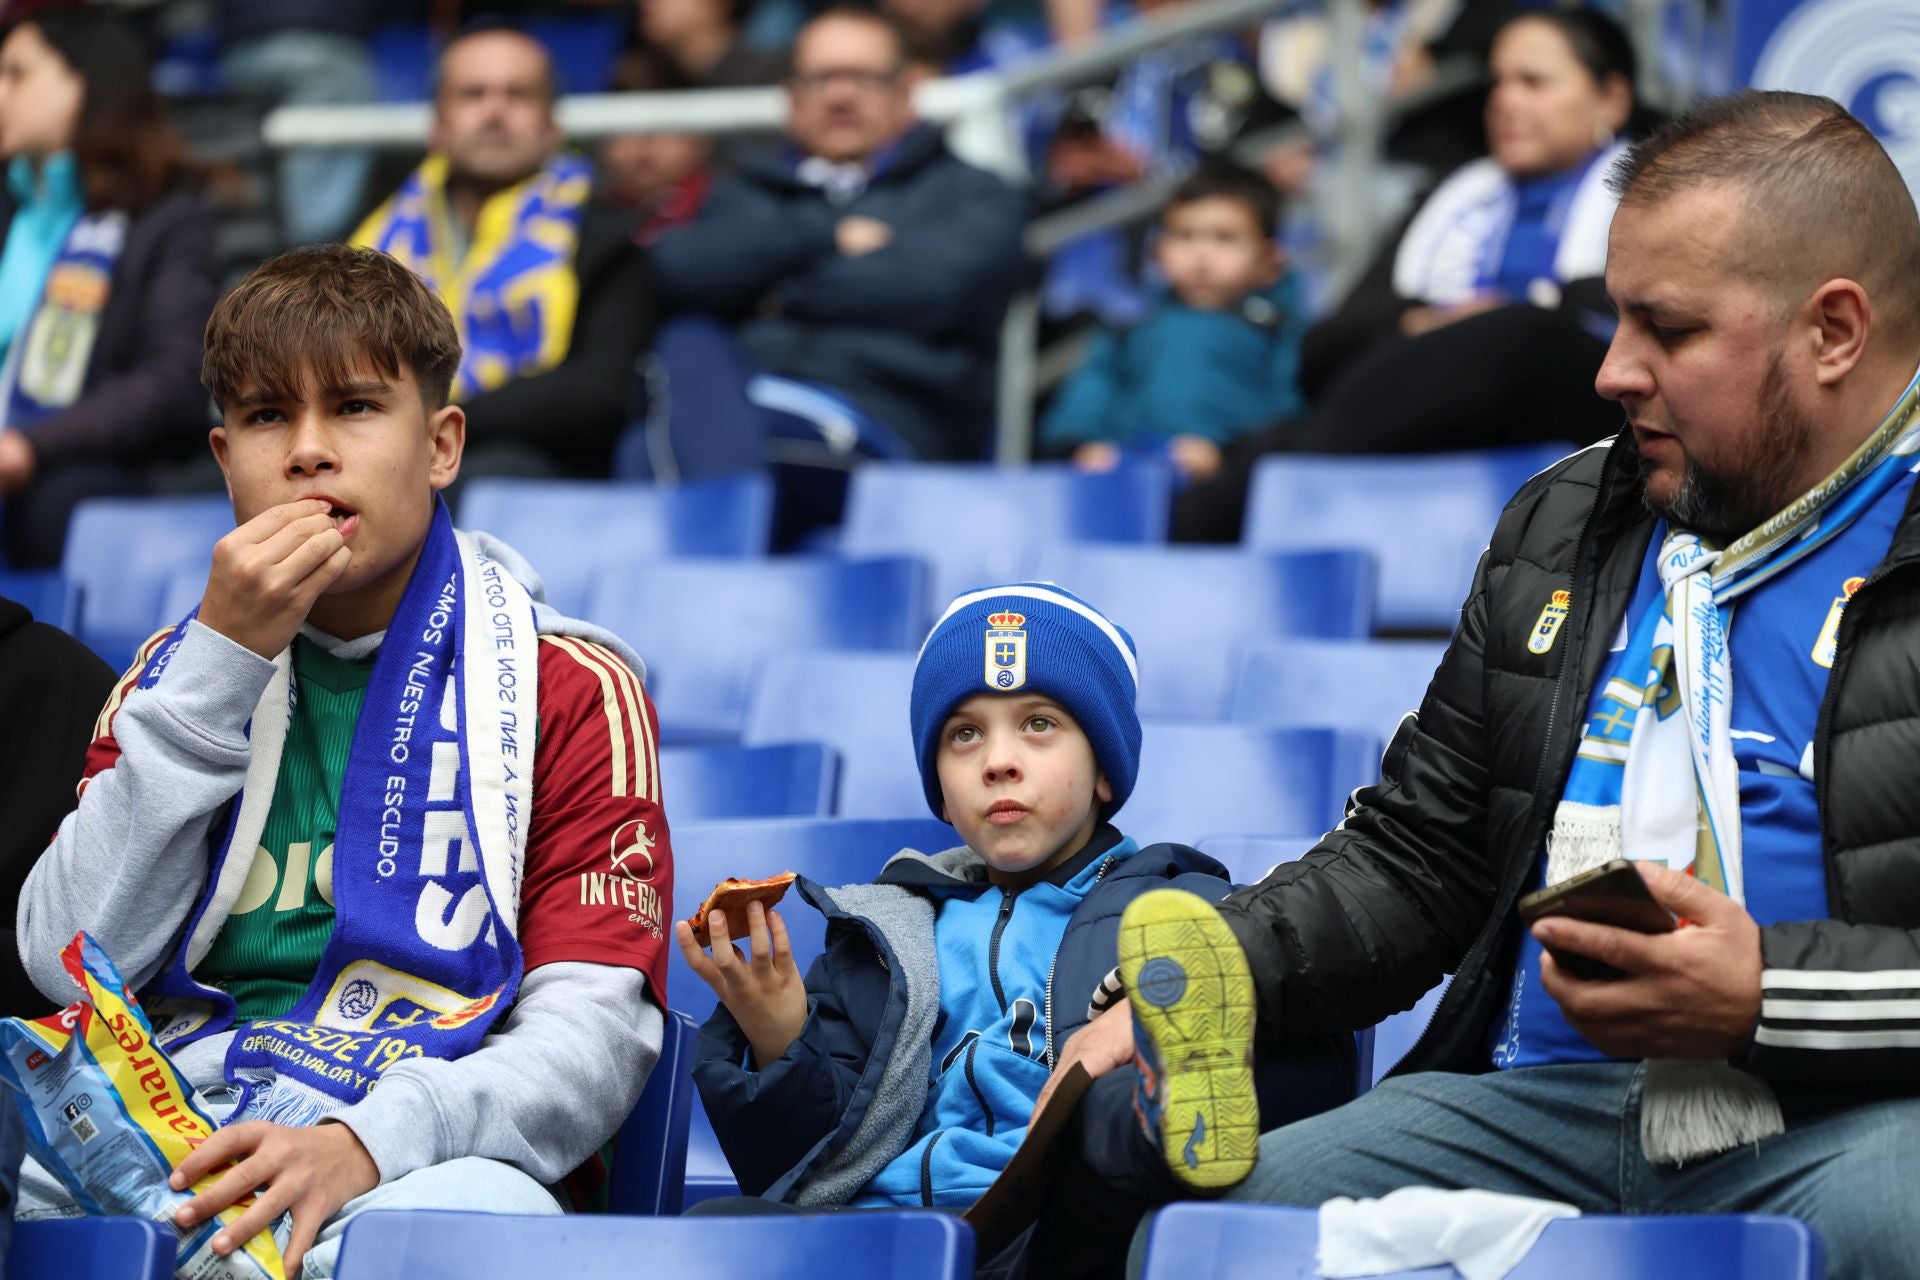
x: 908, y: 332
x: 776, y: 1125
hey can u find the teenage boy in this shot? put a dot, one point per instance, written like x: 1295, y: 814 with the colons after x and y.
x: 444, y: 857
x: 970, y: 968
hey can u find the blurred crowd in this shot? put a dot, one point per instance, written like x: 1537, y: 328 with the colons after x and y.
x: 671, y: 305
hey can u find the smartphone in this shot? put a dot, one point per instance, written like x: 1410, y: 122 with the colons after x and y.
x: 1611, y: 894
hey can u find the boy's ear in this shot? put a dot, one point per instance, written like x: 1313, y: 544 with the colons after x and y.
x: 1273, y: 262
x: 217, y: 441
x: 1103, y: 790
x: 447, y: 431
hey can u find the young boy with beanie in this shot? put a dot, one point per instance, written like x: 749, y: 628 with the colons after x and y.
x: 904, y: 1070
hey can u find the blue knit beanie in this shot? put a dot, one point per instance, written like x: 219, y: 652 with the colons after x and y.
x: 1031, y: 637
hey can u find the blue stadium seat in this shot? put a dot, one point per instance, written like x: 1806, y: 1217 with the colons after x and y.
x: 1273, y: 1242
x: 571, y: 530
x: 857, y: 704
x: 1202, y: 778
x: 832, y: 852
x: 121, y: 556
x: 1248, y: 859
x: 444, y: 1245
x: 583, y: 46
x: 711, y: 622
x: 978, y: 525
x: 783, y: 780
x: 1192, y: 611
x: 1369, y: 685
x: 43, y: 592
x: 1425, y: 517
x: 402, y: 61
x: 90, y: 1249
x: 650, y: 1153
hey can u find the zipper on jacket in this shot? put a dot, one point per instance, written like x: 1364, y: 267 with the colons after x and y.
x: 926, y: 1169
x: 993, y: 946
x: 1105, y: 866
x: 986, y: 1108
x: 1536, y: 829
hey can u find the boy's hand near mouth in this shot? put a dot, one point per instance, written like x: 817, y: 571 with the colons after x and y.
x: 268, y: 572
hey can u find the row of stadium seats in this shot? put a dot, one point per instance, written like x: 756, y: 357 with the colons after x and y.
x: 1219, y: 1241
x: 1423, y: 521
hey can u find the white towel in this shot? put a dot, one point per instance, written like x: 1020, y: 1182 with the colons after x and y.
x: 1481, y: 1233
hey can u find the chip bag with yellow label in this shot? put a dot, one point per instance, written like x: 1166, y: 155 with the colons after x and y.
x: 108, y: 1114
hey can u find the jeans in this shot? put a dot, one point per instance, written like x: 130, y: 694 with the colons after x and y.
x: 470, y: 1183
x: 1572, y: 1133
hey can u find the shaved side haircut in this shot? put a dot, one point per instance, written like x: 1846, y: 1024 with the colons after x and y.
x: 1823, y: 198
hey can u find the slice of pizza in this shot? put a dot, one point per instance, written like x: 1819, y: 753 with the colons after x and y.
x: 731, y: 896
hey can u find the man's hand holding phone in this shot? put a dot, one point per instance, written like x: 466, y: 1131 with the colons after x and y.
x: 1690, y: 992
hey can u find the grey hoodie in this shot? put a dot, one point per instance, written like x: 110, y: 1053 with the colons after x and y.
x: 545, y: 1089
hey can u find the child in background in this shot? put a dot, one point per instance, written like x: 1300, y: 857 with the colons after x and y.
x: 904, y: 1070
x: 1216, y: 358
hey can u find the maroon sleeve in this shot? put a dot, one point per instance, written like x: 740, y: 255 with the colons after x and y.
x: 599, y: 870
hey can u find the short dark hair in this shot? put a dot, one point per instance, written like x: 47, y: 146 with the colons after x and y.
x: 327, y: 311
x: 1223, y: 180
x: 1823, y: 198
x: 1599, y: 44
x: 494, y: 27
x: 128, y: 152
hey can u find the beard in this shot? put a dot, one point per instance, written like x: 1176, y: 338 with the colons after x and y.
x: 1725, y: 499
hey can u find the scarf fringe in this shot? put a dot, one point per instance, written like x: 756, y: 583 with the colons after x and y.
x: 1584, y: 836
x: 1692, y: 1110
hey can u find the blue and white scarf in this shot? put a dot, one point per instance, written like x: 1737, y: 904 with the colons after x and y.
x: 434, y: 811
x: 46, y: 364
x: 1663, y: 719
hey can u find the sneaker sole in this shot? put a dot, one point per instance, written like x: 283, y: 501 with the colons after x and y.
x: 1191, y: 991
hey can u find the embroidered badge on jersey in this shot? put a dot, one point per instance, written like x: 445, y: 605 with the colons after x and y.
x: 1828, y: 644
x: 1006, y: 651
x: 1547, y: 628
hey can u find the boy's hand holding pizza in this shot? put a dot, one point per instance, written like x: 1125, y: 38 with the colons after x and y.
x: 765, y: 994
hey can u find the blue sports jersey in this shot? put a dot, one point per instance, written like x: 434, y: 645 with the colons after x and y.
x: 1781, y: 639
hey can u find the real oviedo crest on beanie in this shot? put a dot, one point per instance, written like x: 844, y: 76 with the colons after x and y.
x: 1031, y: 637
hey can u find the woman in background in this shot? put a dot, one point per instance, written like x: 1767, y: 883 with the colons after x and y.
x: 106, y: 278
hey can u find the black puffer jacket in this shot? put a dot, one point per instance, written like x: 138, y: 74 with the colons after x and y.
x: 1422, y: 877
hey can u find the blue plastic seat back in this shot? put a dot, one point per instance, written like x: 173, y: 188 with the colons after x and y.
x: 711, y: 622
x: 90, y: 1249
x: 1197, y: 779
x: 1273, y: 1242
x: 1192, y: 611
x: 978, y: 525
x: 782, y: 780
x: 1248, y: 859
x: 583, y: 46
x: 43, y: 592
x: 1426, y: 518
x: 650, y: 1153
x: 123, y: 552
x: 855, y: 702
x: 403, y: 56
x: 1369, y: 685
x: 446, y: 1245
x: 571, y: 530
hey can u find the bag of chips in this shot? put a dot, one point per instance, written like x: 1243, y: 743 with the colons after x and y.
x: 107, y: 1114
